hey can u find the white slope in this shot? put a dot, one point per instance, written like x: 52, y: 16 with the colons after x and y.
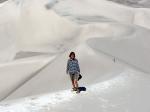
x: 111, y: 87
x: 54, y: 78
x: 133, y: 50
x: 86, y: 27
x: 14, y: 74
x: 32, y: 27
x: 105, y: 9
x: 7, y: 35
x: 134, y: 3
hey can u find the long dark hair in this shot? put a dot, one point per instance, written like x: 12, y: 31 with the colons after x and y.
x: 72, y: 53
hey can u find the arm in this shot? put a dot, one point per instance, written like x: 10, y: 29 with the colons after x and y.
x: 67, y: 68
x: 78, y: 67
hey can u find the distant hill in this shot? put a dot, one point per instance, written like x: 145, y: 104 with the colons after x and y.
x: 1, y: 1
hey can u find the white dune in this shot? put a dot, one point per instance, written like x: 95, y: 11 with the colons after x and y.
x: 111, y: 42
x: 106, y: 9
x: 16, y: 73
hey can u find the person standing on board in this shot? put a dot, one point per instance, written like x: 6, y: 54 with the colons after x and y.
x: 73, y: 70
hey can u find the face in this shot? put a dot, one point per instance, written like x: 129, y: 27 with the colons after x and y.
x: 72, y: 56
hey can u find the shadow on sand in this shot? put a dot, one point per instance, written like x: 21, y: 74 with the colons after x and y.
x: 82, y: 89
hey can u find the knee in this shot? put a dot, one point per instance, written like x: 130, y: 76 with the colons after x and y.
x: 75, y: 81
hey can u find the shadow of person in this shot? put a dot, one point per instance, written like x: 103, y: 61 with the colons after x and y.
x: 82, y: 89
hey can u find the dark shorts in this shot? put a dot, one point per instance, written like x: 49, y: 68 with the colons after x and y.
x: 74, y: 76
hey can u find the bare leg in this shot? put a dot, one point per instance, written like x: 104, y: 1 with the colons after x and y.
x: 76, y: 83
x: 77, y: 86
x: 73, y: 84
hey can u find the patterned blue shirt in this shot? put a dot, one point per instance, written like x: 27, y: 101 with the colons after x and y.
x: 73, y: 66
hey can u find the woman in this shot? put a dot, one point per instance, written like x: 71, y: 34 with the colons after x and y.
x: 73, y: 70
